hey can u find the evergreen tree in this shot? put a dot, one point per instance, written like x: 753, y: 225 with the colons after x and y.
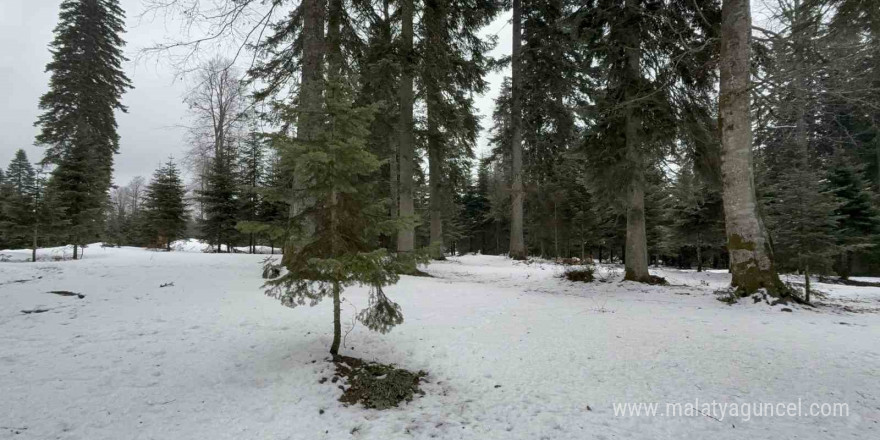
x: 164, y: 206
x: 345, y: 216
x: 18, y: 201
x: 454, y: 66
x: 654, y: 63
x: 251, y: 165
x: 697, y: 220
x: 78, y: 125
x: 801, y: 217
x: 220, y: 203
x: 858, y: 220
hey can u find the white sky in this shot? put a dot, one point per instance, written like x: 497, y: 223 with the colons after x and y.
x: 153, y: 128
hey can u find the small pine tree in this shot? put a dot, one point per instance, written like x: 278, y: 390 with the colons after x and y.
x: 345, y: 215
x: 164, y: 206
x: 19, y: 208
x: 220, y: 202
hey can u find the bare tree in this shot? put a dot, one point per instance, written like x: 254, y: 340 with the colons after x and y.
x: 218, y: 105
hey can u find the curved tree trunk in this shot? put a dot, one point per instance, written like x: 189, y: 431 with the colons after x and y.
x: 406, y: 148
x: 517, y: 241
x: 750, y: 252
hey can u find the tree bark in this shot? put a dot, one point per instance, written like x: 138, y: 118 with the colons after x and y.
x: 34, y: 251
x: 807, y: 283
x: 435, y: 24
x: 517, y: 249
x: 636, y: 250
x: 406, y: 147
x: 750, y: 253
x: 337, y: 320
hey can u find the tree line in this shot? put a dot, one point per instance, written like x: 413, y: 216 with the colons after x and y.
x: 640, y: 131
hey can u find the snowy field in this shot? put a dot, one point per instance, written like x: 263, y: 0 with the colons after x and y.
x: 512, y: 351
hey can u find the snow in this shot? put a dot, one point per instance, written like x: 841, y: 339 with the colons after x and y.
x: 512, y: 351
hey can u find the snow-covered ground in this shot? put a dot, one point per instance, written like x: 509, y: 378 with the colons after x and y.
x: 513, y: 352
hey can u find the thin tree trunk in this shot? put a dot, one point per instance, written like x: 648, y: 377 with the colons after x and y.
x: 34, y: 251
x: 556, y: 229
x: 807, y: 283
x: 517, y: 249
x: 405, y: 145
x: 750, y: 253
x: 75, y: 249
x: 699, y: 253
x: 337, y: 320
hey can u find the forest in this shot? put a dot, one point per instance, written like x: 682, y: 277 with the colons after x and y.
x: 726, y: 148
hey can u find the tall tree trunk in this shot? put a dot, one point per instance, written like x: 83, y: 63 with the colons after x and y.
x: 75, y: 249
x: 751, y: 260
x: 405, y: 145
x: 636, y: 251
x: 435, y: 25
x: 517, y: 249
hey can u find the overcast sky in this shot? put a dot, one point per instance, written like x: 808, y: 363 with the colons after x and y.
x: 153, y: 127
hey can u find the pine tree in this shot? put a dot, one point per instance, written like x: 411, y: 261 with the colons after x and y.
x: 652, y: 63
x: 858, y: 220
x: 78, y: 125
x: 453, y: 68
x: 345, y: 216
x: 164, y: 206
x: 801, y: 217
x: 251, y: 165
x: 19, y: 201
x: 220, y: 202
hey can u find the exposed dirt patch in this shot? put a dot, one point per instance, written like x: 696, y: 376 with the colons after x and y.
x: 375, y: 385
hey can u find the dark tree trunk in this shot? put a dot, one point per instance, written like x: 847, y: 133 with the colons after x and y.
x: 337, y: 320
x: 406, y: 146
x: 517, y: 249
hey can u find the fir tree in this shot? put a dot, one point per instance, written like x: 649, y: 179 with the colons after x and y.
x: 220, y: 202
x: 78, y: 125
x: 164, y: 206
x: 652, y: 63
x: 345, y: 215
x: 858, y: 221
x: 18, y: 201
x: 251, y: 175
x: 801, y: 218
